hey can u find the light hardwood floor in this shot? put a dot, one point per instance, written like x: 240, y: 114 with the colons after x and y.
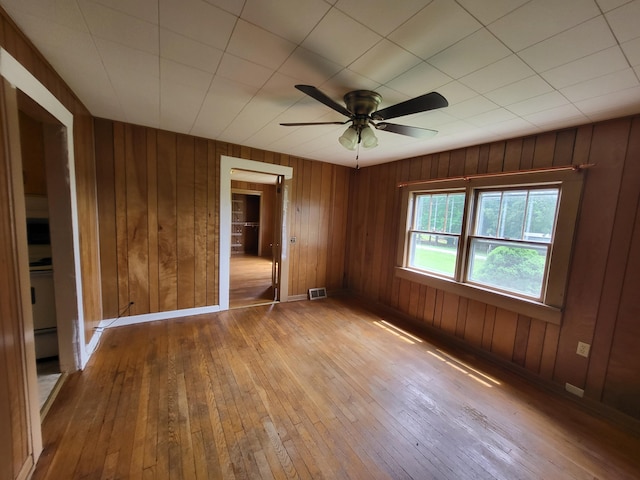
x: 321, y: 389
x: 249, y: 280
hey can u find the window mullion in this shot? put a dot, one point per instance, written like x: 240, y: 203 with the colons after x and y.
x: 463, y: 241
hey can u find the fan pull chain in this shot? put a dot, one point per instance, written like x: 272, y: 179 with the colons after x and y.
x: 358, y: 147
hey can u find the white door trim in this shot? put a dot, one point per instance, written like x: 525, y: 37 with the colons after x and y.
x: 226, y: 165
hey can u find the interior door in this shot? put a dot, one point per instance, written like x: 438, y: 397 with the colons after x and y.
x: 277, y: 240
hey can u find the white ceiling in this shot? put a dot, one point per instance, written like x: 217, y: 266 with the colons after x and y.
x: 226, y: 69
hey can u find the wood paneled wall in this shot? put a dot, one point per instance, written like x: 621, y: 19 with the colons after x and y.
x: 602, y: 307
x: 15, y: 452
x: 159, y: 227
x: 16, y: 449
x: 22, y: 50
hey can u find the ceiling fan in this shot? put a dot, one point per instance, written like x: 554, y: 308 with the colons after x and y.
x: 361, y: 108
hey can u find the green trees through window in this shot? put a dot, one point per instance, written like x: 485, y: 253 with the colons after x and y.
x: 511, y: 231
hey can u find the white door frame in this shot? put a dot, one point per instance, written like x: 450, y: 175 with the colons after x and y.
x: 74, y: 352
x: 226, y: 165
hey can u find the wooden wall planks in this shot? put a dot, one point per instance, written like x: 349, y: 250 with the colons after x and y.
x: 14, y: 42
x: 158, y: 210
x: 600, y: 306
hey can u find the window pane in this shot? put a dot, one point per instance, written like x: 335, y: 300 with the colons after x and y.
x: 541, y: 214
x: 433, y: 253
x: 512, y: 214
x: 488, y: 213
x: 440, y: 212
x: 517, y: 268
x: 422, y: 207
x: 517, y: 214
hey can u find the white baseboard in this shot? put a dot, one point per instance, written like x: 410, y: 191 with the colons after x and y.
x: 153, y: 317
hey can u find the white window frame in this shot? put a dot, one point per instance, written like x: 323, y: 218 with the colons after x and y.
x: 569, y: 180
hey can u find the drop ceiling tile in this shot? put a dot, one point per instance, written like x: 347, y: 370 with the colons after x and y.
x: 625, y: 21
x: 498, y: 115
x: 179, y: 74
x: 455, y: 92
x: 180, y: 105
x: 290, y: 19
x: 340, y: 39
x: 601, y: 86
x: 345, y: 81
x: 384, y: 62
x: 120, y: 58
x: 451, y: 128
x: 146, y: 10
x: 590, y: 37
x: 488, y: 11
x: 118, y: 27
x: 432, y: 119
x: 542, y: 102
x: 519, y: 91
x: 435, y: 28
x: 498, y: 74
x: 259, y: 46
x: 385, y: 23
x: 232, y: 6
x: 469, y: 108
x: 223, y: 96
x: 197, y: 20
x: 243, y: 71
x: 631, y: 50
x: 422, y: 78
x: 309, y: 67
x: 513, y: 127
x: 473, y: 53
x: 187, y: 51
x: 586, y: 68
x: 557, y: 117
x: 616, y: 104
x: 279, y: 90
x: 606, y: 5
x: 62, y: 12
x: 540, y: 19
x: 139, y: 97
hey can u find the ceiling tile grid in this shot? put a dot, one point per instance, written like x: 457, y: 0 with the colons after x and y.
x: 227, y: 69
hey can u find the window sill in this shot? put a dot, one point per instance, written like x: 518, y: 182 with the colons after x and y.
x: 530, y: 308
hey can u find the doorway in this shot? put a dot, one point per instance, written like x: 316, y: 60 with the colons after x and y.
x: 43, y: 152
x: 253, y: 204
x: 255, y: 174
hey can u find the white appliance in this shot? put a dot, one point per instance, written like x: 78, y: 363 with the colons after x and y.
x: 44, y: 312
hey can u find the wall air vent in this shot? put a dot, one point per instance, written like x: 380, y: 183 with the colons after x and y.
x: 317, y: 293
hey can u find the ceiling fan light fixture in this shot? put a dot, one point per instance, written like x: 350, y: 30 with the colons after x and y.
x: 368, y: 138
x: 349, y: 138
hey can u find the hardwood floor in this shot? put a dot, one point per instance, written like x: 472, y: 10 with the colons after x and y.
x: 249, y: 281
x: 321, y: 389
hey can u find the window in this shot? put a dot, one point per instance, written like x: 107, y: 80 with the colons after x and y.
x: 502, y: 239
x: 435, y: 233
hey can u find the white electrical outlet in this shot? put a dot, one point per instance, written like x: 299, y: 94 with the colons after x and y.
x: 583, y: 349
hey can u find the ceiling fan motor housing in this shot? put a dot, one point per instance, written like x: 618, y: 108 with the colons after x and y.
x: 362, y: 103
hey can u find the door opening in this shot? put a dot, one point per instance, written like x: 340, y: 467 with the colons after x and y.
x: 43, y: 153
x: 239, y: 265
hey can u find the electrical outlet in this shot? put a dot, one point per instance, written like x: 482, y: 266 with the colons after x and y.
x: 292, y: 240
x: 583, y: 349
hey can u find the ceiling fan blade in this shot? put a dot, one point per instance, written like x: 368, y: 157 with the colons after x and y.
x: 313, y: 92
x: 415, y: 132
x: 312, y: 123
x: 423, y: 103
